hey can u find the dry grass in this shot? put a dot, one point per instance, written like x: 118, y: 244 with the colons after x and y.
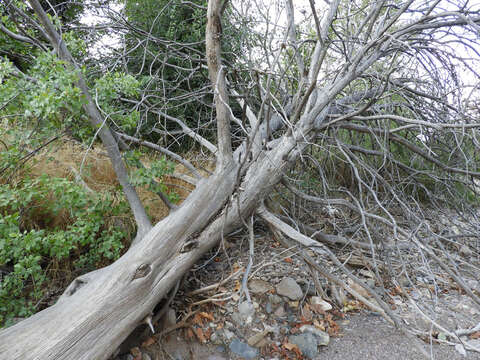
x: 91, y: 167
x: 65, y: 158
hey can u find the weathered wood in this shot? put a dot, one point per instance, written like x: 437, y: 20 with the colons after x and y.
x: 100, y: 309
x: 96, y: 315
x: 92, y: 319
x: 213, y: 33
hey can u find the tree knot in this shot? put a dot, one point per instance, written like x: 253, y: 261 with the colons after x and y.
x: 142, y: 271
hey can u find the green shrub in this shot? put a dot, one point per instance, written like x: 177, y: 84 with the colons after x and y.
x: 45, y: 222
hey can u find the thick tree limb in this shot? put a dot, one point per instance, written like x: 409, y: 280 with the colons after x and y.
x: 19, y: 37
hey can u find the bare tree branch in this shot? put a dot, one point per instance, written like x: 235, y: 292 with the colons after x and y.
x: 97, y: 121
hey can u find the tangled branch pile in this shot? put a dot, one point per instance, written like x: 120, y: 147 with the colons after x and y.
x: 349, y: 127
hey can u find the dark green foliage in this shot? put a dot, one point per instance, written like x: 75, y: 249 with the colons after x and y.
x: 166, y: 48
x: 170, y: 58
x: 68, y: 11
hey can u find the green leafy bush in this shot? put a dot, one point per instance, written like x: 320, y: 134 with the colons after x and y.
x: 109, y: 89
x: 151, y: 177
x: 45, y: 222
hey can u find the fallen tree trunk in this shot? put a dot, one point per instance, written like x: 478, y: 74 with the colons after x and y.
x: 100, y: 309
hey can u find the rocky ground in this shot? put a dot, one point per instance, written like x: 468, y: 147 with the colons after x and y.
x: 212, y: 318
